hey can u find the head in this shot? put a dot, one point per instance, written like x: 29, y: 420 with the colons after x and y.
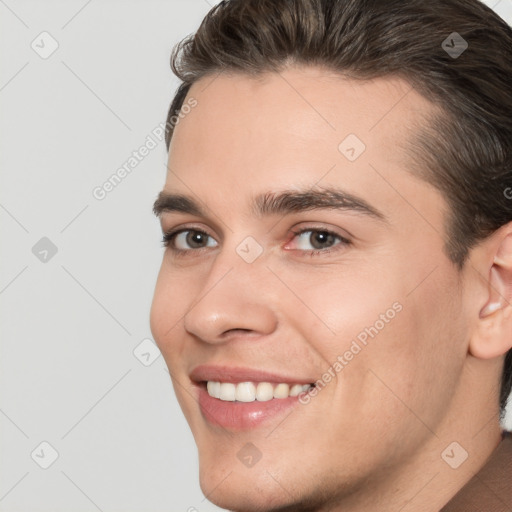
x: 356, y: 129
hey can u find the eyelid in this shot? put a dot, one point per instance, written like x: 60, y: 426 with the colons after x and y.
x: 343, y: 242
x: 170, y: 236
x: 346, y: 237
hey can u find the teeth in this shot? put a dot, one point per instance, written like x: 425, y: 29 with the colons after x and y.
x: 282, y: 391
x: 264, y: 392
x: 227, y: 391
x: 296, y: 389
x: 251, y: 391
x: 213, y: 389
x: 245, y: 392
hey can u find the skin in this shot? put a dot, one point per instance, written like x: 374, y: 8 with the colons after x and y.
x: 372, y: 438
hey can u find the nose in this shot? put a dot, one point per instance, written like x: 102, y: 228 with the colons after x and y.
x: 236, y: 297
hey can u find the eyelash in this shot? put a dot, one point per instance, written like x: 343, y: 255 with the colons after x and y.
x: 168, y: 239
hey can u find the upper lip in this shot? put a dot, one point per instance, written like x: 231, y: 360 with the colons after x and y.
x: 236, y: 374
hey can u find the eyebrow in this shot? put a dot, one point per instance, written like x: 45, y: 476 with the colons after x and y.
x: 278, y: 203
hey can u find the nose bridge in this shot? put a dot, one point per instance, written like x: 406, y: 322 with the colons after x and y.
x: 235, y: 295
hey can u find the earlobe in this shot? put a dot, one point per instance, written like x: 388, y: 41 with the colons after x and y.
x: 493, y: 335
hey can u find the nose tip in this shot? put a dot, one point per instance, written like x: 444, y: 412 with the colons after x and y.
x: 219, y: 319
x: 232, y: 308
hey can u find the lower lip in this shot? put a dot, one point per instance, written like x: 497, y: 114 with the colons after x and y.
x: 242, y: 415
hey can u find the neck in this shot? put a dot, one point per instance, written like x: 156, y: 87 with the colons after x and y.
x: 439, y: 468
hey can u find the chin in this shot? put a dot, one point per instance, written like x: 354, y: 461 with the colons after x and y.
x: 255, y: 490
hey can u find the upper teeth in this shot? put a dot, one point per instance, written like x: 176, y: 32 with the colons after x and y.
x: 250, y: 391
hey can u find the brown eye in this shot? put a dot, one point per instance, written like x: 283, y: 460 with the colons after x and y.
x: 187, y: 240
x: 318, y: 240
x: 195, y: 239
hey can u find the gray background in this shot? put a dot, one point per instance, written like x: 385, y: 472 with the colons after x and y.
x: 72, y: 319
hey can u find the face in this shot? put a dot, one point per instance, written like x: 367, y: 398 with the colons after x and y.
x: 312, y: 256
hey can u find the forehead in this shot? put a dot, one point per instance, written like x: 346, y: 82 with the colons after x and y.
x: 299, y: 127
x: 304, y: 103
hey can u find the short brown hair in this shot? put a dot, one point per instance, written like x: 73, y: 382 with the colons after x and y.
x: 466, y: 152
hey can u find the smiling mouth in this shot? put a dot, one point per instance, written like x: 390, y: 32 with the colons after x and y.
x: 253, y: 391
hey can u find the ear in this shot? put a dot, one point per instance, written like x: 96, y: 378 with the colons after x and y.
x: 493, y: 335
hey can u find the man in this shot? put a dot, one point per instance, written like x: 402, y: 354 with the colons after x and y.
x: 334, y: 298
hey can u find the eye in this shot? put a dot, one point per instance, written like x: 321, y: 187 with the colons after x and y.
x: 322, y: 241
x: 185, y: 240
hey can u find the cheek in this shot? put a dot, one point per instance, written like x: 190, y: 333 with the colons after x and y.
x: 160, y: 305
x: 171, y: 301
x: 395, y: 349
x: 170, y: 304
x: 346, y: 309
x: 412, y: 367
